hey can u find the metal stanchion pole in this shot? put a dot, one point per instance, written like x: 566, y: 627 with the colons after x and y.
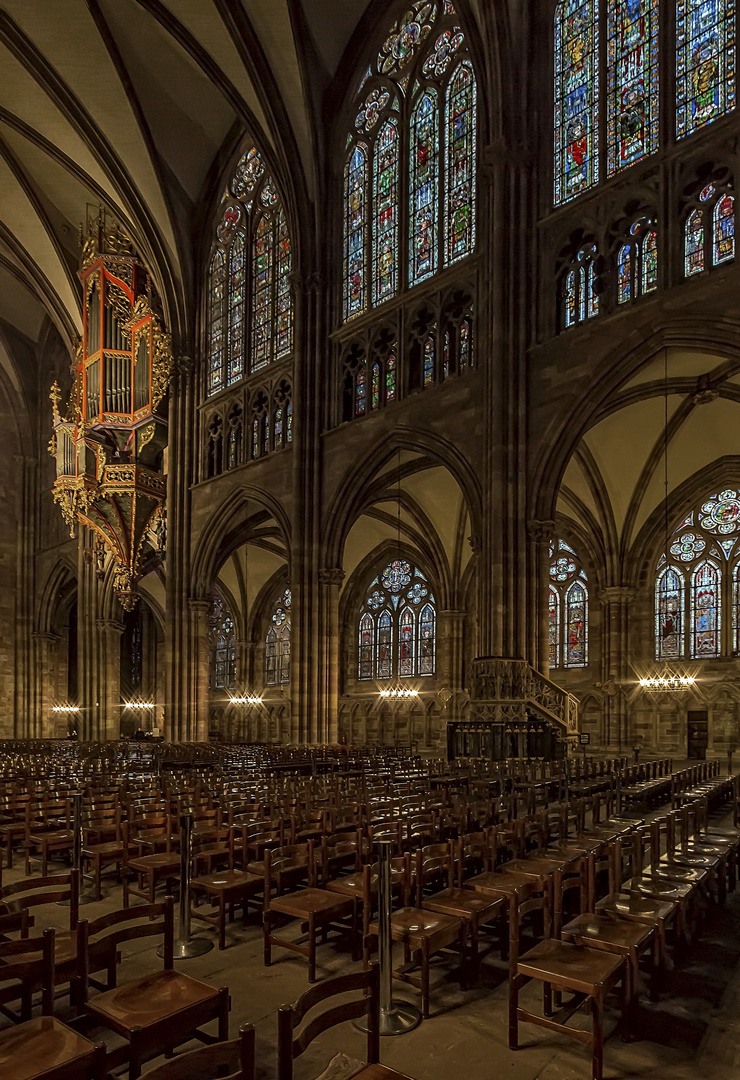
x: 396, y: 1017
x: 84, y: 898
x: 185, y: 946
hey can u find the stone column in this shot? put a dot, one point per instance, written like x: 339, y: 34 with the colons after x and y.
x: 615, y: 602
x: 109, y: 633
x: 330, y: 582
x: 197, y: 729
x: 540, y: 534
x: 22, y: 615
x: 45, y: 688
x: 179, y: 716
x: 90, y: 724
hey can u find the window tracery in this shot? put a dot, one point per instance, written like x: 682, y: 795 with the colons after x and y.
x: 396, y: 625
x: 579, y: 298
x: 696, y: 592
x: 637, y: 261
x: 221, y: 646
x: 250, y: 314
x: 277, y: 642
x: 567, y: 608
x: 411, y: 156
x: 709, y: 229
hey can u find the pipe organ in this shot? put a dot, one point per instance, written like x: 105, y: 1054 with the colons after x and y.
x: 109, y: 445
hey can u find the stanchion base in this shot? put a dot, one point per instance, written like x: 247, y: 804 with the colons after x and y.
x: 184, y: 950
x: 400, y: 1018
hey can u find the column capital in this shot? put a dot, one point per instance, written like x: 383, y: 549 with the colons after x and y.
x: 541, y: 531
x: 112, y: 625
x: 45, y: 636
x: 617, y: 594
x: 199, y: 604
x: 331, y: 575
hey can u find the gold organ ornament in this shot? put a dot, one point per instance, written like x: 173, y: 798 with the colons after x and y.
x: 109, y: 444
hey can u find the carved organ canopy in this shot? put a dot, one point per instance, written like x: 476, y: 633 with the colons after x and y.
x: 108, y: 447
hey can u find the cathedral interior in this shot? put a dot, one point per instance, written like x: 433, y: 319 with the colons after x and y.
x: 370, y: 373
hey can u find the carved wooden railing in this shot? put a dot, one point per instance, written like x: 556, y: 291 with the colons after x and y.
x: 505, y: 690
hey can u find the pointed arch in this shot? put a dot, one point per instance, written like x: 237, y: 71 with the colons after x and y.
x: 705, y: 610
x: 669, y: 614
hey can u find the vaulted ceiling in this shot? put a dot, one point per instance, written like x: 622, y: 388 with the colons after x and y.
x: 139, y: 105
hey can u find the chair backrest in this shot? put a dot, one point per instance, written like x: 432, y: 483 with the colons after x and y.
x: 35, y: 891
x: 30, y: 962
x: 294, y: 1039
x: 235, y: 1058
x: 98, y: 941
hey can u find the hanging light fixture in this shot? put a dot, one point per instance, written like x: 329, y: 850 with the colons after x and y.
x: 246, y: 697
x: 667, y: 679
x: 397, y: 690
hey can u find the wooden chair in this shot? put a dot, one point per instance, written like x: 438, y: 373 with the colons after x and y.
x: 46, y: 1049
x: 587, y: 974
x: 112, y: 850
x: 232, y: 1060
x: 158, y: 1011
x: 35, y: 892
x: 48, y: 830
x: 227, y: 888
x: 294, y: 1039
x: 27, y: 965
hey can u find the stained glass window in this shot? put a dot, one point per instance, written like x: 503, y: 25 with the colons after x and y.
x: 705, y: 62
x: 553, y: 621
x: 579, y: 298
x: 397, y: 625
x: 705, y: 610
x: 375, y: 393
x: 736, y: 609
x: 576, y: 98
x: 576, y: 600
x: 236, y: 310
x: 216, y: 329
x: 384, y: 645
x: 360, y: 391
x: 390, y: 376
x: 460, y: 164
x: 423, y: 192
x: 412, y: 145
x: 428, y: 359
x: 406, y: 642
x: 567, y: 601
x: 632, y: 81
x: 427, y: 640
x: 650, y: 261
x: 222, y: 646
x: 250, y: 310
x: 355, y: 232
x: 446, y: 355
x: 385, y: 212
x: 669, y: 615
x: 262, y: 258
x: 694, y: 243
x: 283, y: 303
x: 466, y: 351
x: 366, y: 647
x: 277, y: 642
x: 723, y: 226
x: 624, y: 274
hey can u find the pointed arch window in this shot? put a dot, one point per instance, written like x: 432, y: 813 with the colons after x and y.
x: 709, y: 230
x: 277, y: 642
x: 579, y: 298
x: 576, y: 98
x: 697, y: 603
x: 705, y: 62
x: 397, y: 625
x: 637, y: 261
x: 412, y: 145
x: 250, y: 310
x: 567, y: 601
x: 221, y: 646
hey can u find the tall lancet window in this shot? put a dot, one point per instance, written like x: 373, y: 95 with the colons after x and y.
x: 567, y: 608
x: 250, y: 310
x: 410, y: 165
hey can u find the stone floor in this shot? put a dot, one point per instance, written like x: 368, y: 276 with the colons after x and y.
x: 692, y: 1030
